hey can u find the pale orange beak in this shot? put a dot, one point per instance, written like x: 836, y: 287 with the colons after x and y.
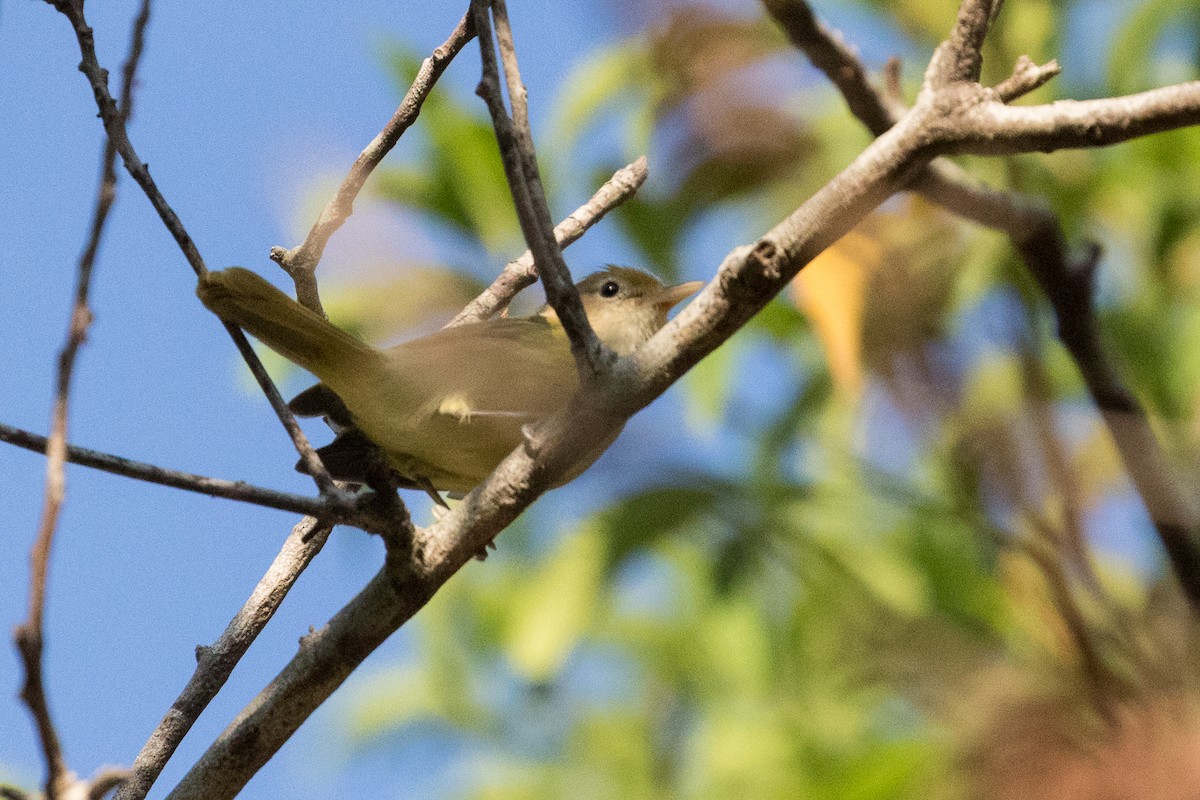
x: 672, y: 296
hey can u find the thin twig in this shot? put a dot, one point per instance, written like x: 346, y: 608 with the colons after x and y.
x: 529, y: 198
x: 30, y: 634
x: 151, y: 473
x: 1026, y: 76
x: 215, y: 662
x: 312, y: 461
x: 521, y: 273
x: 115, y: 128
x: 106, y: 780
x: 301, y: 262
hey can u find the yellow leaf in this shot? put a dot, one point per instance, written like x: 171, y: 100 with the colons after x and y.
x: 831, y: 291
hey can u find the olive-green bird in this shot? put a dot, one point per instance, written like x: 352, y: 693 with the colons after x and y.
x: 448, y: 407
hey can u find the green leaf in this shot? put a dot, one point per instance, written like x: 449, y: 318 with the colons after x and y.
x: 1130, y: 61
x: 552, y: 611
x: 639, y: 521
x: 595, y: 83
x: 709, y: 385
x: 887, y: 771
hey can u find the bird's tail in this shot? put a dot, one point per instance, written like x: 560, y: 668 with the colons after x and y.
x: 299, y: 334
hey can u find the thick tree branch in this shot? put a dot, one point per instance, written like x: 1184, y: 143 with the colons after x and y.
x: 521, y: 273
x: 114, y: 127
x: 29, y: 634
x: 1037, y: 235
x: 746, y: 280
x: 215, y: 662
x: 301, y: 262
x: 529, y: 198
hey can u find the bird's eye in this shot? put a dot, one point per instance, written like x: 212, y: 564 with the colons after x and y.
x: 609, y: 289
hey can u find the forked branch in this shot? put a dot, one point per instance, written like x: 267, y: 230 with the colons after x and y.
x: 1065, y: 277
x: 745, y: 282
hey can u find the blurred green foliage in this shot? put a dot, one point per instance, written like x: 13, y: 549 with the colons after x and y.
x: 896, y: 593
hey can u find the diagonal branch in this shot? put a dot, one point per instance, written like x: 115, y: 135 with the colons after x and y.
x: 520, y: 273
x: 1037, y: 235
x: 215, y: 662
x: 301, y: 262
x: 520, y: 167
x: 115, y: 128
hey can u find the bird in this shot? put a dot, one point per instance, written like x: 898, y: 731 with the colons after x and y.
x: 446, y: 408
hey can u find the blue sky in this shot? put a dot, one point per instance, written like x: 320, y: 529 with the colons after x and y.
x: 241, y: 107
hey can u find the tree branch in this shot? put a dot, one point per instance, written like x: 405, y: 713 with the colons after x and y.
x: 746, y: 280
x: 301, y: 262
x: 521, y: 273
x: 115, y: 128
x: 520, y: 167
x: 998, y: 129
x: 1037, y: 235
x: 215, y: 662
x: 959, y: 58
x: 1026, y: 77
x: 29, y: 635
x: 190, y: 482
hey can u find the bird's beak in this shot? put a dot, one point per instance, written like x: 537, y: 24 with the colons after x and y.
x: 672, y: 296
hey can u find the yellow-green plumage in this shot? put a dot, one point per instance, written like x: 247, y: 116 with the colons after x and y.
x: 448, y: 407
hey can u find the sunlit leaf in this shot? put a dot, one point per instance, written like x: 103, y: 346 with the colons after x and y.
x: 597, y: 82
x: 553, y: 610
x: 832, y: 292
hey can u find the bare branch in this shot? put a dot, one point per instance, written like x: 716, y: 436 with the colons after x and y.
x: 1026, y: 77
x: 312, y: 461
x: 151, y: 473
x: 958, y: 59
x: 104, y: 781
x: 29, y: 635
x: 1037, y: 236
x: 114, y: 126
x: 520, y: 167
x: 326, y: 658
x: 521, y: 273
x: 830, y: 53
x: 301, y: 262
x: 998, y: 129
x: 215, y: 662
